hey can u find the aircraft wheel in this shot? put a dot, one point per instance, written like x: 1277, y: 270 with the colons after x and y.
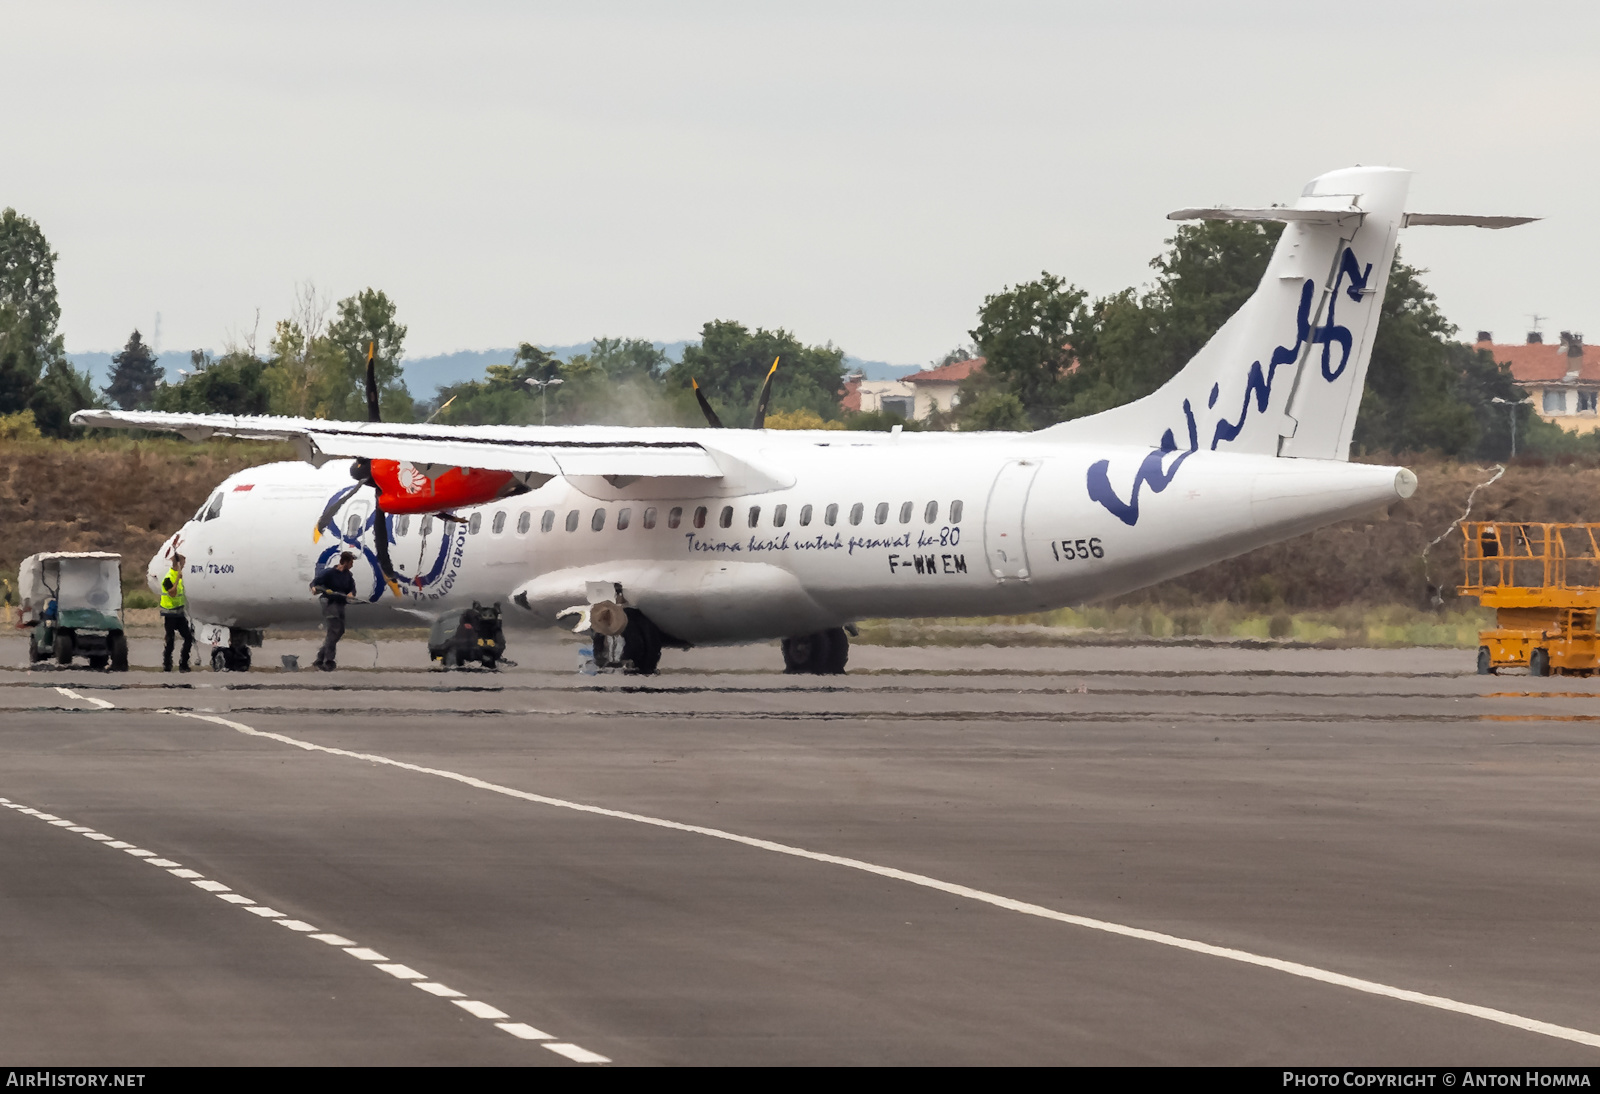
x: 838, y: 652
x: 238, y: 659
x: 1539, y: 663
x: 820, y: 654
x: 1485, y: 664
x: 219, y: 660
x: 63, y: 647
x: 799, y: 654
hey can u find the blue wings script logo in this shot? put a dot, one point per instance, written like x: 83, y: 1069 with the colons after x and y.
x: 1158, y: 469
x: 421, y: 584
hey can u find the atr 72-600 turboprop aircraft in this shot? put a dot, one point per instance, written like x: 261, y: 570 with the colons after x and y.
x: 727, y: 535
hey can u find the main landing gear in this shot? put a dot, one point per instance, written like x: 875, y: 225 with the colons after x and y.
x: 821, y: 654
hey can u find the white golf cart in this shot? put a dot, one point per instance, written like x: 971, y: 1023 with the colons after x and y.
x: 73, y: 601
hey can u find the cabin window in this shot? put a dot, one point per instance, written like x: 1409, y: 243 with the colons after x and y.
x: 755, y: 515
x: 524, y: 522
x: 955, y: 512
x: 427, y: 526
x: 880, y: 515
x: 572, y: 520
x: 598, y: 521
x: 674, y: 516
x: 905, y: 513
x: 805, y: 516
x: 780, y: 513
x: 856, y: 512
x: 623, y: 517
x: 700, y: 516
x: 830, y: 515
x: 725, y: 518
x: 474, y: 524
x: 402, y: 526
x: 548, y: 521
x: 931, y: 513
x: 499, y: 524
x: 650, y: 517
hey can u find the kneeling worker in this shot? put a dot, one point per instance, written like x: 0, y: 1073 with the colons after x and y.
x: 336, y: 587
x: 175, y: 616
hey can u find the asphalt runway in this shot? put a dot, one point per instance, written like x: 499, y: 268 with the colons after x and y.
x: 1081, y: 855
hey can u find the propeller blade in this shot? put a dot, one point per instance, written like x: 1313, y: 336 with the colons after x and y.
x: 326, y: 520
x: 372, y: 383
x: 766, y: 394
x: 705, y: 407
x: 380, y: 536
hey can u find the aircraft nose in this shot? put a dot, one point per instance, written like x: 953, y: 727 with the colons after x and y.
x: 160, y: 562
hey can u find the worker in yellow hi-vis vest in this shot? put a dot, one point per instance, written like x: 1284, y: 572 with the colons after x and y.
x: 175, y: 616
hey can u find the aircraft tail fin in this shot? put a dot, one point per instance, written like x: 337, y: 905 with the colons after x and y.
x: 1284, y: 375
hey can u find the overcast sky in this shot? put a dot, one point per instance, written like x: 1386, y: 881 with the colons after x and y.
x: 861, y: 172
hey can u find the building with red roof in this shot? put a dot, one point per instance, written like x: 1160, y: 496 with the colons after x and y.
x: 1562, y: 380
x: 935, y: 388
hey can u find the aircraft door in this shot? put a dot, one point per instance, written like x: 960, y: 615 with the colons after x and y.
x: 1003, y: 517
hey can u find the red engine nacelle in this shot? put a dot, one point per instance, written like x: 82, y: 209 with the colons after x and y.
x: 405, y: 487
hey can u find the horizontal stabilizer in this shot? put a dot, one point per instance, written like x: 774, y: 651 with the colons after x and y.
x: 1326, y: 212
x: 1461, y: 220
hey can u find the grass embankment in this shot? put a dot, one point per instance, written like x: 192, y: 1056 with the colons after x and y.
x: 1392, y: 626
x: 1359, y: 582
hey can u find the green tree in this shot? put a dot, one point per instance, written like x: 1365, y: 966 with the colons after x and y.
x: 1413, y: 398
x: 731, y: 363
x: 29, y: 343
x: 235, y: 383
x: 134, y: 376
x: 1486, y: 386
x: 503, y: 396
x: 1025, y: 333
x: 367, y: 317
x: 1129, y: 343
x: 625, y: 359
x: 61, y: 392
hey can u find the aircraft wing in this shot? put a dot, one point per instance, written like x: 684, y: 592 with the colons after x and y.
x: 613, y: 452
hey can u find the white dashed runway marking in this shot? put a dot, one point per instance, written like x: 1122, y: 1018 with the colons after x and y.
x: 1291, y: 968
x: 475, y: 1007
x: 100, y: 703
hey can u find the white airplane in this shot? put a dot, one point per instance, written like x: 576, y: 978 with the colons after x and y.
x: 720, y: 536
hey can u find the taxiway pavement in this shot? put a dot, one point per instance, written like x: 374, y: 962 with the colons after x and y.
x: 1142, y: 854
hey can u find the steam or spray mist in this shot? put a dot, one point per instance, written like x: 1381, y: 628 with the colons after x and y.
x: 1433, y: 590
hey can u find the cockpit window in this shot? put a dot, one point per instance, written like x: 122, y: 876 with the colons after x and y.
x: 212, y: 509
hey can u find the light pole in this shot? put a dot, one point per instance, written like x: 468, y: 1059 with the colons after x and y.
x: 1513, y: 408
x: 542, y: 385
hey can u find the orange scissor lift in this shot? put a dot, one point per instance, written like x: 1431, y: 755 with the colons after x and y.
x: 1543, y: 581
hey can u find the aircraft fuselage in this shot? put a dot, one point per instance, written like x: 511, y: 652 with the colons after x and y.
x: 837, y: 527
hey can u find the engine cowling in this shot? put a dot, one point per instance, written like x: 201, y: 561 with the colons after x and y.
x: 405, y: 487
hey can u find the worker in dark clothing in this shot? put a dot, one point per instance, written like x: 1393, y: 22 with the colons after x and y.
x: 175, y: 616
x: 336, y: 587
